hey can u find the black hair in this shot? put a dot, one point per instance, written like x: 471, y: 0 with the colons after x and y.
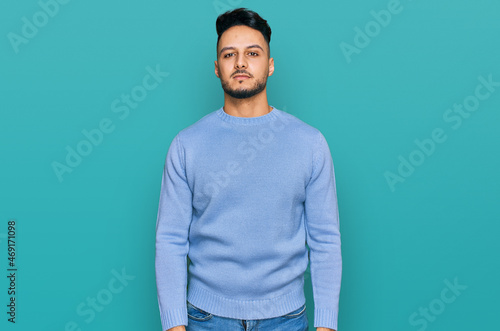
x: 243, y: 16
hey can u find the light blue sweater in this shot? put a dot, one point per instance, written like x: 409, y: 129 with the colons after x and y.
x: 241, y: 196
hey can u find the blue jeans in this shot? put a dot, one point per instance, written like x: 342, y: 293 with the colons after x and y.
x: 199, y: 320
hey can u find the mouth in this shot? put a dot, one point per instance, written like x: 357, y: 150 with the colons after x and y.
x: 241, y: 77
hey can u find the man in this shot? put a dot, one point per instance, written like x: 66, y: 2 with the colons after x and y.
x: 244, y: 189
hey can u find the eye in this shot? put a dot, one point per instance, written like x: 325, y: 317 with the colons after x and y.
x: 227, y: 55
x: 254, y: 53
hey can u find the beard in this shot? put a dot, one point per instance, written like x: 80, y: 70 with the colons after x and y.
x: 258, y: 87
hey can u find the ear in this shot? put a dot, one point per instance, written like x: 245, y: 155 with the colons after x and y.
x: 216, y: 69
x: 271, y: 66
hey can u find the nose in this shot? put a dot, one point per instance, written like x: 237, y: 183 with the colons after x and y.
x: 240, y: 62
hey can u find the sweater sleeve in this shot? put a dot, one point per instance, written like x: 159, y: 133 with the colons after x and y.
x: 323, y: 237
x: 172, y: 246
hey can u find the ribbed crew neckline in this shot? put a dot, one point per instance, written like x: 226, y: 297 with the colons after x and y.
x: 247, y: 120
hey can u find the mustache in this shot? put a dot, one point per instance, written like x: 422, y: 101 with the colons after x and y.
x: 241, y: 72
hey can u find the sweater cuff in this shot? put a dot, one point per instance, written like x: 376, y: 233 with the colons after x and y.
x: 173, y: 317
x: 325, y: 318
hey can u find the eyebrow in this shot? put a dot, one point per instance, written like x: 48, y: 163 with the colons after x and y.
x: 231, y: 47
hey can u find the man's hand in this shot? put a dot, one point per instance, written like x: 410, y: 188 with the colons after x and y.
x: 177, y: 328
x: 324, y: 329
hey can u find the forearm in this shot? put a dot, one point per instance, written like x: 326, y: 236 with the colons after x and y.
x: 171, y: 281
x: 178, y: 328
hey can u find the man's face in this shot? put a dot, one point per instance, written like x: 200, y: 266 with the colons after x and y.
x: 243, y: 63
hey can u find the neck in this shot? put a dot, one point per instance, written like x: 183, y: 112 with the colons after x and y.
x: 249, y: 107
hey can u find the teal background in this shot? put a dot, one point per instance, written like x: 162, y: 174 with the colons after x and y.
x: 399, y: 246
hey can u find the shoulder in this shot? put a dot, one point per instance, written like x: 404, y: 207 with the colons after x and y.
x: 207, y: 128
x: 299, y: 128
x: 198, y: 130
